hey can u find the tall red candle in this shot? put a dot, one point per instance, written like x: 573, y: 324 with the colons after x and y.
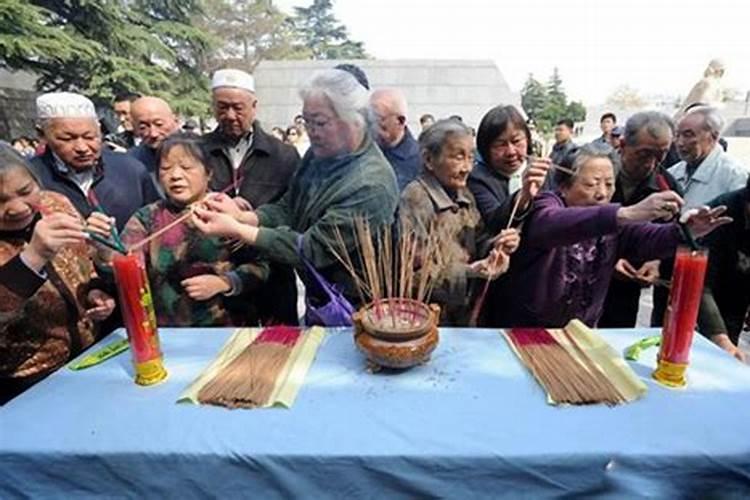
x: 140, y: 320
x: 681, y: 316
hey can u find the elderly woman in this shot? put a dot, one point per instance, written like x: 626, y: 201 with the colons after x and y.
x: 439, y: 198
x: 49, y: 306
x: 573, y: 237
x: 343, y: 175
x: 196, y: 281
x: 502, y: 172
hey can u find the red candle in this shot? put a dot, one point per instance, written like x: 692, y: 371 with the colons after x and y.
x: 682, y: 315
x: 138, y: 315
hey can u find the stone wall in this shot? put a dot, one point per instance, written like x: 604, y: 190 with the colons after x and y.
x: 17, y: 104
x: 442, y: 88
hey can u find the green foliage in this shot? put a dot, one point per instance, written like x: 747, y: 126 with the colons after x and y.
x: 100, y: 48
x: 546, y: 104
x: 249, y: 32
x: 323, y: 35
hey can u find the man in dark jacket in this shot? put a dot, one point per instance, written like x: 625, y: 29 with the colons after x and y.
x: 648, y: 136
x: 726, y: 294
x: 76, y: 165
x: 248, y: 163
x: 388, y: 112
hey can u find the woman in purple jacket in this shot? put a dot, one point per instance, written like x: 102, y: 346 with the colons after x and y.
x: 573, y: 237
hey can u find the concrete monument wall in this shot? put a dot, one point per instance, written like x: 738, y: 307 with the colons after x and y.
x: 442, y: 88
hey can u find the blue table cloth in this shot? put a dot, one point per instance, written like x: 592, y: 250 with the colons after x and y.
x: 471, y: 423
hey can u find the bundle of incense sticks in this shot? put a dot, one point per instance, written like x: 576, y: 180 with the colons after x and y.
x: 249, y: 380
x: 568, y: 375
x: 393, y: 273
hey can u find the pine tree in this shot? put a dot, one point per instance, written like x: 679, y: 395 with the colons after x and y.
x: 103, y: 47
x: 533, y: 97
x: 321, y: 32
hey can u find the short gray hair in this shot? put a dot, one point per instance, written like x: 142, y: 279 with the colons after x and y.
x: 346, y: 95
x: 712, y: 120
x: 576, y: 159
x: 431, y: 141
x: 656, y: 124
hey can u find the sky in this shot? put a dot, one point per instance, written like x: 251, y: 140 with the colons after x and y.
x: 659, y: 47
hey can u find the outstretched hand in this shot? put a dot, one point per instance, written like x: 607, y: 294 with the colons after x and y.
x: 703, y: 220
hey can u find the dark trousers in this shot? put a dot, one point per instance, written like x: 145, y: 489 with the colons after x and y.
x: 621, y: 305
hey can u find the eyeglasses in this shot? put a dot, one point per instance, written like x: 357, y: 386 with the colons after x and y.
x: 316, y: 123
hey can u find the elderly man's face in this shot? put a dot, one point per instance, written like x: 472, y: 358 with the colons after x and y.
x: 154, y: 121
x: 235, y: 110
x: 76, y: 141
x: 645, y: 154
x: 389, y: 127
x: 694, y: 142
x: 329, y: 135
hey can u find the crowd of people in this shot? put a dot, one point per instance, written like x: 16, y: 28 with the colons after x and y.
x: 577, y: 234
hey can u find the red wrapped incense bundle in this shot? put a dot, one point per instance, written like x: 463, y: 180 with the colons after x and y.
x: 681, y: 316
x: 139, y: 318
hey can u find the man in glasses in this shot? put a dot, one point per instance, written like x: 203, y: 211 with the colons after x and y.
x: 388, y: 113
x: 643, y: 146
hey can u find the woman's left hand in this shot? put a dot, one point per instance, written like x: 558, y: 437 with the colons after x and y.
x: 703, y: 220
x: 102, y: 303
x: 205, y: 286
x: 507, y: 241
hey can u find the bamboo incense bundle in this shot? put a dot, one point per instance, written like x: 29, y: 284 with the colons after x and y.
x: 567, y: 378
x: 249, y: 380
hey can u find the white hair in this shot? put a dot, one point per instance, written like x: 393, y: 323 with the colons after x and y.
x: 347, y: 96
x: 712, y: 120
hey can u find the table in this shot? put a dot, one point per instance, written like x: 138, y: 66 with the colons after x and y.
x: 471, y: 423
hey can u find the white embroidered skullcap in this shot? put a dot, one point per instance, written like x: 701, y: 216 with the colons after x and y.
x: 64, y: 105
x: 233, y: 78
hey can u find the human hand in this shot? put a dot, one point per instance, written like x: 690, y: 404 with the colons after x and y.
x: 507, y: 241
x: 624, y: 270
x: 100, y: 224
x: 533, y: 178
x: 703, y: 220
x: 216, y: 223
x: 648, y: 273
x: 102, y: 305
x: 661, y: 205
x: 52, y: 233
x: 205, y: 286
x: 491, y: 267
x: 723, y: 341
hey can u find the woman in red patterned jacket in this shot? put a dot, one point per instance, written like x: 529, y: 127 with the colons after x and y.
x: 49, y: 309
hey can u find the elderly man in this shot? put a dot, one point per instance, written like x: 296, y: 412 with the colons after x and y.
x: 76, y: 165
x: 153, y: 121
x: 388, y: 111
x: 648, y: 136
x: 252, y: 163
x: 705, y: 171
x: 342, y: 176
x: 248, y: 163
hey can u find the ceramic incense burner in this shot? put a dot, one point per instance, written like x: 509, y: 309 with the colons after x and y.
x: 396, y: 333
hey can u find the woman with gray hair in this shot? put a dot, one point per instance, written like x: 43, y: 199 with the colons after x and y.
x: 574, y: 236
x: 344, y: 175
x: 439, y: 200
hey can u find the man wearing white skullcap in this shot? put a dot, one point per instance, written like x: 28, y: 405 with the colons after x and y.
x: 252, y: 165
x: 76, y: 165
